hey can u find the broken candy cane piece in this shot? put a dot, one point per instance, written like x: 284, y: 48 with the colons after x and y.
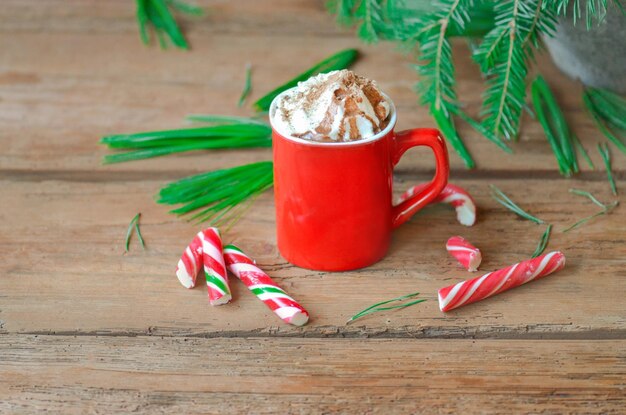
x: 476, y: 289
x: 454, y: 195
x: 190, y: 263
x: 467, y: 254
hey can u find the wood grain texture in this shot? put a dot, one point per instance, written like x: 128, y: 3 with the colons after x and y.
x: 87, y: 328
x: 74, y: 260
x: 146, y: 375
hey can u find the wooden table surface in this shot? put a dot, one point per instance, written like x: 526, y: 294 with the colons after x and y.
x: 87, y: 328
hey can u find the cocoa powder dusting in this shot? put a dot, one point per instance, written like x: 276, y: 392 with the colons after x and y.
x: 341, y: 94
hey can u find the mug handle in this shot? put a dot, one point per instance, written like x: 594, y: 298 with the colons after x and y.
x: 404, y: 140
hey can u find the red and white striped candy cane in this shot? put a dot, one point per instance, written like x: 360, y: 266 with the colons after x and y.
x: 264, y: 288
x: 214, y: 267
x: 454, y: 195
x: 476, y: 289
x: 467, y: 254
x: 190, y: 263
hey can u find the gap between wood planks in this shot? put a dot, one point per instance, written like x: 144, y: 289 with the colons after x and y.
x: 530, y: 332
x: 90, y: 176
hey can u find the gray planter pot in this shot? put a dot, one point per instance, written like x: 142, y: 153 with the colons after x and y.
x: 597, y: 57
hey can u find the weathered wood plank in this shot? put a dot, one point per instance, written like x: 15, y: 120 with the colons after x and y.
x: 56, y: 111
x: 64, y: 269
x: 151, y: 374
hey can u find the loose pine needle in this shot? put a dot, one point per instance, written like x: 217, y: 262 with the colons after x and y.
x: 543, y: 242
x: 605, y: 208
x: 247, y: 87
x: 340, y: 60
x: 608, y: 208
x: 505, y: 201
x: 377, y: 307
x: 603, y: 148
x: 132, y: 225
x: 588, y: 195
x: 138, y: 231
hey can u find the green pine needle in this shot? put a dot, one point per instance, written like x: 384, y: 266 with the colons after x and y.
x: 543, y: 242
x: 157, y: 14
x: 605, y: 113
x: 505, y: 201
x: 186, y: 8
x: 581, y: 149
x: 482, y: 130
x: 503, y: 57
x: 555, y: 127
x: 218, y: 196
x: 215, y: 119
x: 436, y: 86
x: 605, y: 208
x: 340, y: 60
x: 160, y: 143
x: 133, y: 225
x: 247, y: 87
x: 377, y: 307
x: 587, y: 195
x: 603, y: 149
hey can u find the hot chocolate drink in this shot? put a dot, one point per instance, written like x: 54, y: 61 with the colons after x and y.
x: 338, y: 106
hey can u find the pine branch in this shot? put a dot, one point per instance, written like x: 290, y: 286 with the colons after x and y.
x: 593, y: 9
x: 436, y: 70
x: 503, y: 57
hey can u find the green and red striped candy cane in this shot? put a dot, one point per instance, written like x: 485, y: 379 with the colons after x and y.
x: 214, y: 267
x: 264, y: 288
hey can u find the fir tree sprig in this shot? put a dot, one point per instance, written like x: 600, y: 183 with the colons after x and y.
x: 156, y: 16
x: 503, y: 57
x: 395, y: 19
x: 436, y: 70
x: 593, y: 9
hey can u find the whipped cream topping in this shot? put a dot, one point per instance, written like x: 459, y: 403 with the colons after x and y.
x: 335, y: 106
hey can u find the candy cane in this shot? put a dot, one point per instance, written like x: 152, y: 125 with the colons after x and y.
x: 190, y: 263
x: 214, y: 268
x: 493, y: 283
x: 456, y: 196
x: 467, y: 254
x: 264, y: 288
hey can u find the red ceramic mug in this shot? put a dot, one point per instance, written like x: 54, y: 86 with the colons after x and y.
x: 334, y: 207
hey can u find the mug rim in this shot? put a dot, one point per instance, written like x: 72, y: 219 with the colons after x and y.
x: 369, y: 140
